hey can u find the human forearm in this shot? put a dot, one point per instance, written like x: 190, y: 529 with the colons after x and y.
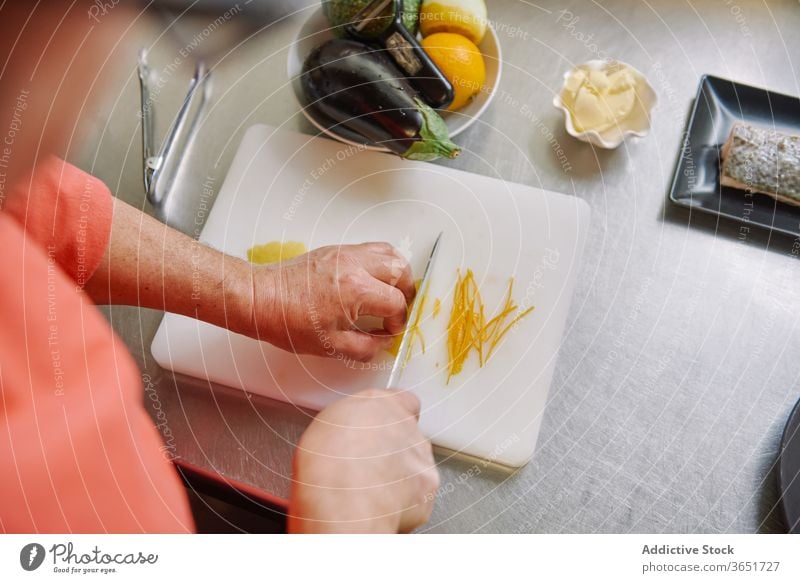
x: 307, y: 305
x: 151, y: 265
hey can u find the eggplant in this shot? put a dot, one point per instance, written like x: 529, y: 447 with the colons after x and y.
x: 360, y: 88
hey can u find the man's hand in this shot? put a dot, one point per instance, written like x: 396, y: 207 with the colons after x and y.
x: 310, y: 305
x: 363, y: 466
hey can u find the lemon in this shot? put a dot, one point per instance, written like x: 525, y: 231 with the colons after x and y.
x: 275, y: 252
x: 460, y: 62
x: 465, y: 17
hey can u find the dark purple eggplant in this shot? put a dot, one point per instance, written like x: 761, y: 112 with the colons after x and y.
x: 361, y: 89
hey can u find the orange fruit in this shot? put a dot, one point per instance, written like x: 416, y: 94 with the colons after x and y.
x: 460, y: 61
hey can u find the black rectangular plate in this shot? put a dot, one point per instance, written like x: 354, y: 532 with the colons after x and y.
x: 719, y: 104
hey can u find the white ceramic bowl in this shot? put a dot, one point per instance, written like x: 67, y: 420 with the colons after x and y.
x: 317, y: 30
x: 636, y: 124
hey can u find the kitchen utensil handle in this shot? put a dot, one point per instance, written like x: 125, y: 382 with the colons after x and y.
x: 422, y: 72
x: 161, y: 168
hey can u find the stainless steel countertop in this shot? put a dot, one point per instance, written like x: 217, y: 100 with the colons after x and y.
x: 679, y: 364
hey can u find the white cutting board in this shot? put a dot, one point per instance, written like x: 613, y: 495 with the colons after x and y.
x: 294, y: 187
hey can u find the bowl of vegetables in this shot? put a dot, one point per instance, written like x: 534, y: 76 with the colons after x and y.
x: 359, y: 91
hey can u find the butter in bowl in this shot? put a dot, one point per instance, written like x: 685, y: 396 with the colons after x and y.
x: 604, y: 102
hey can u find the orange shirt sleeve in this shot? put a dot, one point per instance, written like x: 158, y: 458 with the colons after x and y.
x: 78, y: 451
x: 67, y: 212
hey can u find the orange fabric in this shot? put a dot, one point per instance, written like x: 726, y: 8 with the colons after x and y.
x: 78, y: 452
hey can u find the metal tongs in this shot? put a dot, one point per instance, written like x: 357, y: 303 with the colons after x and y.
x: 160, y: 169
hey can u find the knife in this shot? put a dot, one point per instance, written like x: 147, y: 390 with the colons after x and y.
x: 405, y: 344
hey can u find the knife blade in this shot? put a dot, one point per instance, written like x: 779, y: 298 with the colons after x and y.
x: 405, y: 344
